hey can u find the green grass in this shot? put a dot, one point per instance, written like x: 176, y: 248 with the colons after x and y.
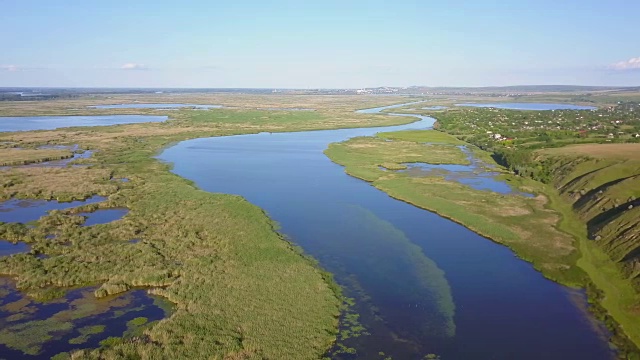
x: 620, y: 298
x: 421, y: 136
x: 240, y: 290
x: 11, y: 156
x: 587, y: 186
x: 371, y: 153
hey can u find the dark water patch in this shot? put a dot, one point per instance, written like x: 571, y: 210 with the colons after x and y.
x: 134, y: 241
x: 462, y: 174
x: 24, y: 211
x: 504, y: 308
x: 28, y: 123
x: 59, y: 147
x: 529, y: 106
x: 10, y: 248
x: 155, y: 106
x: 30, y: 329
x: 78, y: 154
x: 415, y: 300
x: 103, y: 216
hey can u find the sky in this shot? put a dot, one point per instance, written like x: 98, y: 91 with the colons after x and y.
x: 318, y: 44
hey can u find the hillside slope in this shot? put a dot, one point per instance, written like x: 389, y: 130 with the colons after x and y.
x: 604, y: 191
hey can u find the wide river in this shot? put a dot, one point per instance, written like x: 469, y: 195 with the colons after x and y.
x: 422, y: 284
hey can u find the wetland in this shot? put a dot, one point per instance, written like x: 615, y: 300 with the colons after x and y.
x: 414, y: 283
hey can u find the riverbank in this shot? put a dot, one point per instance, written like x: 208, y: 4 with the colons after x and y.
x: 541, y: 229
x: 504, y: 218
x: 217, y: 257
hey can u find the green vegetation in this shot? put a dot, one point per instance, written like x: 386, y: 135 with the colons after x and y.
x: 426, y: 136
x: 139, y: 321
x: 507, y: 219
x: 86, y: 332
x: 29, y: 332
x: 589, y: 159
x: 11, y: 156
x: 240, y: 290
x: 587, y: 170
x: 373, y: 153
x: 62, y: 184
x: 601, y: 191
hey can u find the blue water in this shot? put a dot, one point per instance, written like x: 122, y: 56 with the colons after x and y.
x: 27, y: 123
x: 155, y: 106
x: 464, y: 174
x: 477, y: 174
x: 78, y: 154
x: 103, y: 216
x: 9, y: 248
x: 79, y: 308
x: 389, y: 255
x: 437, y: 107
x: 529, y: 106
x: 24, y: 211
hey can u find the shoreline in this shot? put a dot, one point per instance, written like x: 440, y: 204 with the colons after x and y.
x: 554, y: 203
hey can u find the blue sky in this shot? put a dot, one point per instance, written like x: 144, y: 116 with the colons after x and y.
x: 318, y: 44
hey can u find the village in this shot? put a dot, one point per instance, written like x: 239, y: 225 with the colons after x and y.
x: 492, y: 127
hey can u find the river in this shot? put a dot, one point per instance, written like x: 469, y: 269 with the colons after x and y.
x: 422, y: 284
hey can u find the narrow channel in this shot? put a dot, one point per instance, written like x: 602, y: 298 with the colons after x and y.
x: 422, y: 284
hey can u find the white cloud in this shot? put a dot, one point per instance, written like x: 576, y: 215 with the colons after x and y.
x: 9, y: 67
x: 631, y: 64
x: 134, y: 66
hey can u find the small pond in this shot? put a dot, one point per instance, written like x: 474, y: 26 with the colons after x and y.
x: 8, y: 248
x: 24, y: 211
x: 477, y: 175
x: 103, y: 216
